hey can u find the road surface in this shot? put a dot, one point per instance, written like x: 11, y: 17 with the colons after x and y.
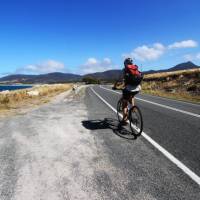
x: 72, y: 149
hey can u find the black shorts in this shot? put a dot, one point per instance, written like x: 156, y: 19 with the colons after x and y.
x: 127, y: 94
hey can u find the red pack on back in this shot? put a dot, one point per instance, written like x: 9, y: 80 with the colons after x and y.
x: 133, y: 69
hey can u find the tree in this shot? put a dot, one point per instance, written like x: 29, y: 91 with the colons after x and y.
x: 90, y: 80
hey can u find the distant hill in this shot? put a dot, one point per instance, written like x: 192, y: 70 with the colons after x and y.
x: 181, y: 66
x: 106, y: 75
x: 58, y: 77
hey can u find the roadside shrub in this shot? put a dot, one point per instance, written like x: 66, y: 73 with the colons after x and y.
x: 90, y: 80
x: 192, y: 88
x: 4, y: 99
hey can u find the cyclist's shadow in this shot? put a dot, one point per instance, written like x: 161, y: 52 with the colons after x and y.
x: 109, y: 123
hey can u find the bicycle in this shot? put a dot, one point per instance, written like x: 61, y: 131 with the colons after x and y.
x: 134, y: 117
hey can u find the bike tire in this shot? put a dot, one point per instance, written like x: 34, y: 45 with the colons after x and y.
x: 136, y: 120
x: 119, y: 110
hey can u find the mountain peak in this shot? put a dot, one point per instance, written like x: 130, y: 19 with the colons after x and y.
x: 189, y: 62
x: 185, y: 65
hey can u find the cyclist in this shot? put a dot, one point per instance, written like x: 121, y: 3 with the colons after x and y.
x: 132, y: 79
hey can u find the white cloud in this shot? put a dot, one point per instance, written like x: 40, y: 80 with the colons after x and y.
x: 198, y: 56
x: 93, y: 65
x: 107, y: 60
x: 91, y: 61
x: 4, y: 74
x: 188, y: 57
x: 147, y: 53
x: 191, y: 57
x: 48, y: 66
x: 155, y: 51
x: 183, y: 44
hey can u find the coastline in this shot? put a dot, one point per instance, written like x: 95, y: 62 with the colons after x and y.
x: 13, y: 87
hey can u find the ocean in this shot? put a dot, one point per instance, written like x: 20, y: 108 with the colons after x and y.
x: 13, y: 87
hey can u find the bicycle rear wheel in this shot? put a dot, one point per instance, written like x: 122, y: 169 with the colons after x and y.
x: 120, y: 110
x: 136, y: 121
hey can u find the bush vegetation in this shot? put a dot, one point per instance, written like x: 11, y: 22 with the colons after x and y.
x: 19, y: 98
x: 90, y: 80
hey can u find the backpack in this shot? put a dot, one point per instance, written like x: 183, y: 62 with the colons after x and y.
x: 132, y: 75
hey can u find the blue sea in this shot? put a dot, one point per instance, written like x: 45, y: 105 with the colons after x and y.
x: 13, y: 87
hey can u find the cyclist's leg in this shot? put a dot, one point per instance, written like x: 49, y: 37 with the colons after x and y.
x: 125, y: 110
x: 132, y: 100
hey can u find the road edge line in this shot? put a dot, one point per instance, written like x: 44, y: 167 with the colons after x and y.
x: 157, y: 104
x: 173, y: 159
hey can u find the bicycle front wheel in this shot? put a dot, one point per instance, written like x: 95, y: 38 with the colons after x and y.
x: 120, y: 110
x: 136, y: 121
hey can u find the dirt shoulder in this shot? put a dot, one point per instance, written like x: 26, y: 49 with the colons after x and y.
x: 47, y: 153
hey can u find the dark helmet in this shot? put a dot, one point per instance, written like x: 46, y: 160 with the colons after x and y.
x: 128, y: 61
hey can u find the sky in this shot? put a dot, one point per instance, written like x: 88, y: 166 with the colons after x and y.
x: 85, y: 36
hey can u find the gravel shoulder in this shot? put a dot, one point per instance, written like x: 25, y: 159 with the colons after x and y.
x: 47, y: 153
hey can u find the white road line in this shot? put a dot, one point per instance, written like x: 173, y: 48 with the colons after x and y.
x: 178, y: 163
x: 157, y: 104
x: 165, y: 98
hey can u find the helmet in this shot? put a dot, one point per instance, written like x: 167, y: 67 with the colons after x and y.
x: 128, y: 61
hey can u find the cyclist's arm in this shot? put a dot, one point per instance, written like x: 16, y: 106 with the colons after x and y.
x: 120, y: 79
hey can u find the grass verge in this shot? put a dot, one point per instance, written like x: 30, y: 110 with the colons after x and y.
x: 181, y: 85
x: 25, y: 99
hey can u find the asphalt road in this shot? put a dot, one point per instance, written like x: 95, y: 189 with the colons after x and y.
x: 177, y: 132
x: 72, y: 148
